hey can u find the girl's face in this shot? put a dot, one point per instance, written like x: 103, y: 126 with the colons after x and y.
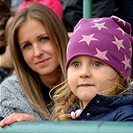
x: 36, y: 48
x: 88, y: 76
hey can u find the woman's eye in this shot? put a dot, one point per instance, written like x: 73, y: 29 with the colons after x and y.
x: 43, y: 39
x: 26, y: 45
x: 76, y: 64
x: 97, y: 64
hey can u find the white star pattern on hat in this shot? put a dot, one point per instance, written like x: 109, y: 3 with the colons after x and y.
x: 100, y: 26
x: 119, y: 43
x: 68, y: 45
x: 75, y: 30
x: 101, y: 54
x: 130, y: 49
x: 88, y: 39
x: 126, y: 62
x: 120, y: 20
x: 121, y: 30
x: 98, y: 20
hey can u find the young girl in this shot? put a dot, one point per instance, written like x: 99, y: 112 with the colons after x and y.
x: 98, y: 69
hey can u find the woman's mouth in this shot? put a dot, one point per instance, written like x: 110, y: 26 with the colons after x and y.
x: 42, y: 62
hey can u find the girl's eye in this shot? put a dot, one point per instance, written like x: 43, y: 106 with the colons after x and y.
x: 76, y: 64
x: 97, y: 64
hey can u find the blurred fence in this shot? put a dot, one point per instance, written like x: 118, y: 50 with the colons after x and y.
x: 69, y: 127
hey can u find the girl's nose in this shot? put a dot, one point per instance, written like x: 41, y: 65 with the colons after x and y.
x: 85, y: 72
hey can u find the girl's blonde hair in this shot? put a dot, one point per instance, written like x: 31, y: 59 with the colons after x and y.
x: 29, y: 80
x: 63, y: 97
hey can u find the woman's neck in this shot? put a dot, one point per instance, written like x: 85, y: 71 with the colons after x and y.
x: 51, y: 80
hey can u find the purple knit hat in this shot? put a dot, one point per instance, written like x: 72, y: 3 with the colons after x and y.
x: 107, y: 39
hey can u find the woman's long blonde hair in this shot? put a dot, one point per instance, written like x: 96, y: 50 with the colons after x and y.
x: 63, y: 97
x: 29, y: 80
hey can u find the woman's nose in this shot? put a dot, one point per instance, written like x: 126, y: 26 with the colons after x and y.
x: 38, y: 51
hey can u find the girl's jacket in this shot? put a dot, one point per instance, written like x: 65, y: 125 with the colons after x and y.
x: 108, y: 108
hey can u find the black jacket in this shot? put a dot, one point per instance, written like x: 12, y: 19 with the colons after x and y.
x: 108, y: 108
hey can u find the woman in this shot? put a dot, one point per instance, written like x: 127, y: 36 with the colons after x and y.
x: 38, y: 43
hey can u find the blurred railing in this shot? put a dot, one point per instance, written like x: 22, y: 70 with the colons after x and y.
x: 69, y: 127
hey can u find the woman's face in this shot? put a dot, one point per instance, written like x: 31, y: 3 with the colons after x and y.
x: 36, y: 48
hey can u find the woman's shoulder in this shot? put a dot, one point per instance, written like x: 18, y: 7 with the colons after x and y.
x: 10, y: 89
x: 11, y: 83
x: 11, y: 78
